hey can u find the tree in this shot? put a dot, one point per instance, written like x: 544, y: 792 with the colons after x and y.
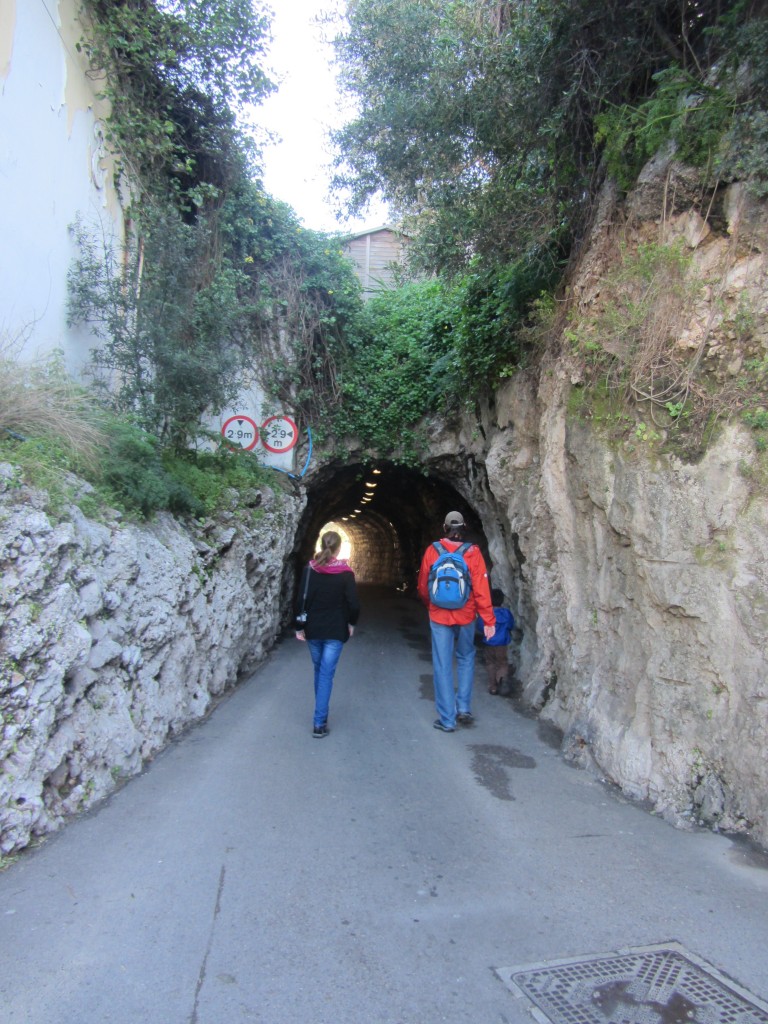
x: 477, y: 117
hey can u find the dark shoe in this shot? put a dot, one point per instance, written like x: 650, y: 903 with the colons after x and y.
x: 465, y: 718
x: 319, y: 731
x: 443, y: 728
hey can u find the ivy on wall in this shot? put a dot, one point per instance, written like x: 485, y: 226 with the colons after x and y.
x: 179, y: 76
x: 216, y: 278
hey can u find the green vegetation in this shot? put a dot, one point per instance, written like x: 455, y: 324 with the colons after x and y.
x: 713, y: 111
x: 639, y: 383
x: 50, y: 431
x: 487, y: 122
x: 132, y: 474
x: 169, y: 339
x: 490, y: 127
x: 392, y: 376
x: 435, y: 347
x: 216, y: 280
x: 629, y: 335
x: 7, y: 860
x: 501, y: 316
x: 179, y: 76
x: 186, y: 309
x: 39, y: 399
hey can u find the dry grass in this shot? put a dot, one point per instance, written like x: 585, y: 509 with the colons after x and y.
x: 39, y: 399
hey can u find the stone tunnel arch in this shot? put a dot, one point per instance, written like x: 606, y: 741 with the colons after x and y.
x: 390, y: 513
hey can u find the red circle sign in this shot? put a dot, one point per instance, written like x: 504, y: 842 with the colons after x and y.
x: 279, y: 434
x: 241, y: 430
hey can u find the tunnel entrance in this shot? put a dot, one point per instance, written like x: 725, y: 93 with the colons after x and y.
x: 389, y: 514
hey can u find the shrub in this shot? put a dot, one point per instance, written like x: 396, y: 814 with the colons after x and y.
x: 51, y: 428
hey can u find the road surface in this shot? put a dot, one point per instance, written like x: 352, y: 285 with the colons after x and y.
x: 387, y: 874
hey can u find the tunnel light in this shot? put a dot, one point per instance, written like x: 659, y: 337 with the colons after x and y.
x: 358, y: 510
x: 371, y: 483
x: 344, y: 519
x: 377, y: 471
x: 369, y: 494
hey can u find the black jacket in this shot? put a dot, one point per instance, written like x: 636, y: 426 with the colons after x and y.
x: 332, y: 604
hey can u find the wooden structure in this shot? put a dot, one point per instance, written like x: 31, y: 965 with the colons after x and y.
x: 376, y: 254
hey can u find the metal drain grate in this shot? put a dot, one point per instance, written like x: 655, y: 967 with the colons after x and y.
x: 649, y: 985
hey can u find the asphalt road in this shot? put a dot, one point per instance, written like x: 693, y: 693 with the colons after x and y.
x: 382, y: 875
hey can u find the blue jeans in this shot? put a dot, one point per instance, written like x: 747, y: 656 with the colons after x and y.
x: 325, y: 656
x: 447, y: 641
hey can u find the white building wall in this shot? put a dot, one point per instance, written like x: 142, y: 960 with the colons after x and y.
x: 53, y: 168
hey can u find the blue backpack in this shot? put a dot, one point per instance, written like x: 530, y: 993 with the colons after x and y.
x: 449, y: 581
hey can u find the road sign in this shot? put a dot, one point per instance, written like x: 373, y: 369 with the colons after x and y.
x: 241, y: 430
x: 279, y: 434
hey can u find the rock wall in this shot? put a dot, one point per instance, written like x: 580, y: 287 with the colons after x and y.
x: 115, y: 636
x: 652, y: 628
x: 640, y: 580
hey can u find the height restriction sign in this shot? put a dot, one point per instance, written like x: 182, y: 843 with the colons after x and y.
x: 242, y: 431
x: 279, y: 434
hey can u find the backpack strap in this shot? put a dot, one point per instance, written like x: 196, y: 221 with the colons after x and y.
x: 442, y: 550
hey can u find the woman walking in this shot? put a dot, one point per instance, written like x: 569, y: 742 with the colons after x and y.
x: 327, y: 612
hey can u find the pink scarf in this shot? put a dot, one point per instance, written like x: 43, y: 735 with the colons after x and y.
x: 334, y: 566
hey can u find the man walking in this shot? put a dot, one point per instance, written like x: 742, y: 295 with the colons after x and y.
x: 454, y: 596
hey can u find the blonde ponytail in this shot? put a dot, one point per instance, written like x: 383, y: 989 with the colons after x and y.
x: 330, y: 543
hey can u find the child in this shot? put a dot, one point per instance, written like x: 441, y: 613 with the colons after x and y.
x: 495, y: 649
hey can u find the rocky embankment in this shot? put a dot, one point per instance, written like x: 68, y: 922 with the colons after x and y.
x: 116, y: 636
x: 640, y: 576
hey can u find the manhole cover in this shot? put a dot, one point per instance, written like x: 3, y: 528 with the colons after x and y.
x: 648, y: 985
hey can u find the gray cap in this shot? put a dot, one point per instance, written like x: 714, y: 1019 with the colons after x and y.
x: 454, y: 519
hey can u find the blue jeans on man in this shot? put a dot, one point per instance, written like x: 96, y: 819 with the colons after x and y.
x: 325, y: 656
x: 448, y: 641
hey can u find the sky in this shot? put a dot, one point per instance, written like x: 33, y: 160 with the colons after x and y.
x: 297, y: 170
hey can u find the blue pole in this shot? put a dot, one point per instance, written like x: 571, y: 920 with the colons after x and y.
x: 306, y: 464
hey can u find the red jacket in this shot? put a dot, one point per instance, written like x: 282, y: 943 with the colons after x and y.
x: 479, y: 602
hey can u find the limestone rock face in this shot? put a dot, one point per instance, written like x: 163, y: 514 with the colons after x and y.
x: 640, y: 588
x: 640, y: 581
x: 659, y: 645
x: 115, y: 637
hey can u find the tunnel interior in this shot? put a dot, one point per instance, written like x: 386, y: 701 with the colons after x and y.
x: 387, y: 514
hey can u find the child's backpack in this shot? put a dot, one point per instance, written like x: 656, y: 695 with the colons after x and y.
x: 449, y: 580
